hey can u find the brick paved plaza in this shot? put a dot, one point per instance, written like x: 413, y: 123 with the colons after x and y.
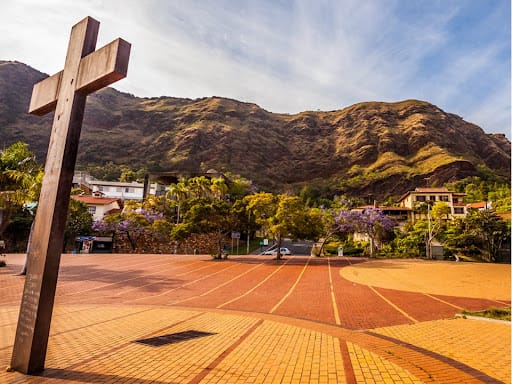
x: 189, y: 319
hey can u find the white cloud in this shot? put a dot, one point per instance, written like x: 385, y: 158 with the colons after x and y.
x: 288, y: 56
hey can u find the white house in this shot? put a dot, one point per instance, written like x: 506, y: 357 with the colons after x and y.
x: 99, y: 206
x: 115, y: 189
x: 455, y: 200
x: 118, y: 189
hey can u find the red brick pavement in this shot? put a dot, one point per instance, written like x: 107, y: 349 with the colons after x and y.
x: 361, y: 308
x: 472, y: 304
x: 418, y: 306
x: 246, y: 284
x: 270, y: 291
x: 311, y: 297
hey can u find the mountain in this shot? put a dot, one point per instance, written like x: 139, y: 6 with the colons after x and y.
x: 371, y: 148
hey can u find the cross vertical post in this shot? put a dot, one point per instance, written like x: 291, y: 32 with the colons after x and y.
x: 85, y: 71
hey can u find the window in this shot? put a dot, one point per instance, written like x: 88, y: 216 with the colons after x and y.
x: 100, y: 188
x: 443, y: 198
x: 420, y: 198
x: 127, y: 190
x: 92, y: 210
x: 458, y: 210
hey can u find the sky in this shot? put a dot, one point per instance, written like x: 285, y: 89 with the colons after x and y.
x: 290, y: 56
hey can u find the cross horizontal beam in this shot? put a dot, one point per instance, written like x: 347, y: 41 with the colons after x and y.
x: 97, y: 70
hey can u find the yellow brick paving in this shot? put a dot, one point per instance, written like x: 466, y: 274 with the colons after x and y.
x: 74, y: 339
x: 279, y: 353
x: 370, y: 368
x: 95, y: 344
x: 478, y: 280
x: 176, y: 363
x: 480, y: 344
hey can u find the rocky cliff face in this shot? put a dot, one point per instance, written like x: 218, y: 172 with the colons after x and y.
x: 368, y: 148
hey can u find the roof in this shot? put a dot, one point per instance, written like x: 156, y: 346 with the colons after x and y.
x: 132, y: 184
x: 395, y: 209
x: 92, y: 200
x: 505, y: 216
x: 431, y: 190
x: 479, y: 205
x: 385, y: 208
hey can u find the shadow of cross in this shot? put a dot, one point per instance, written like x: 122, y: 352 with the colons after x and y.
x: 85, y: 71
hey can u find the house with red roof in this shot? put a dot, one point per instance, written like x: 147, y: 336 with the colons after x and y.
x: 98, y: 205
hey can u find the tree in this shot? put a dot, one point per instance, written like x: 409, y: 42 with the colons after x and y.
x: 499, y: 195
x: 332, y: 222
x: 107, y: 171
x: 371, y: 221
x: 20, y: 180
x: 134, y: 224
x: 441, y: 210
x: 218, y: 188
x: 208, y: 216
x: 436, y: 221
x: 474, y: 193
x: 411, y: 242
x: 200, y: 186
x: 178, y: 192
x: 455, y: 238
x: 491, y: 229
x: 290, y: 219
x: 238, y: 187
x: 128, y: 175
x: 202, y: 206
x: 79, y: 221
x: 280, y: 216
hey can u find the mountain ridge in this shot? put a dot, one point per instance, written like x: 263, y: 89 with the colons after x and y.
x: 369, y: 148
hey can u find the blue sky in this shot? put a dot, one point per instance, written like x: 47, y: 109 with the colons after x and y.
x: 291, y: 56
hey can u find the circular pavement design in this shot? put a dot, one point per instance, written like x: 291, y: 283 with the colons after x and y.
x: 474, y: 280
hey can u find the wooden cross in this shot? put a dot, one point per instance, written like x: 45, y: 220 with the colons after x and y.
x: 85, y: 71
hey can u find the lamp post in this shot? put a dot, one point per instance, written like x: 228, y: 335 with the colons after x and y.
x: 429, y: 240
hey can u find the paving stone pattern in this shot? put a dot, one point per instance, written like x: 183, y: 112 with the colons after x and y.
x: 261, y: 321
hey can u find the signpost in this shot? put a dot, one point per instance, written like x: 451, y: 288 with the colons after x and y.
x: 85, y: 71
x: 235, y: 235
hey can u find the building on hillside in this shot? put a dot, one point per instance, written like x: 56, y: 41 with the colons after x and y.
x: 81, y: 180
x: 400, y: 215
x: 115, y: 189
x: 99, y: 206
x: 480, y: 206
x: 155, y: 183
x: 118, y: 189
x: 413, y: 200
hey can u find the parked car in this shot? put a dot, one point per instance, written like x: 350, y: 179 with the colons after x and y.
x: 284, y: 251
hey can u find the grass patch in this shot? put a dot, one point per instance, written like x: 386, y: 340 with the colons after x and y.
x: 492, y: 313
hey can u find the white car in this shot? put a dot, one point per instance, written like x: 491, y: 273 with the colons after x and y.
x: 284, y: 251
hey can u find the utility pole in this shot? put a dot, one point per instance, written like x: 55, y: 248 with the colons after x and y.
x: 248, y: 232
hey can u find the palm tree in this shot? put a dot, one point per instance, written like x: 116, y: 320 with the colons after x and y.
x: 200, y: 186
x: 178, y: 192
x: 218, y: 188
